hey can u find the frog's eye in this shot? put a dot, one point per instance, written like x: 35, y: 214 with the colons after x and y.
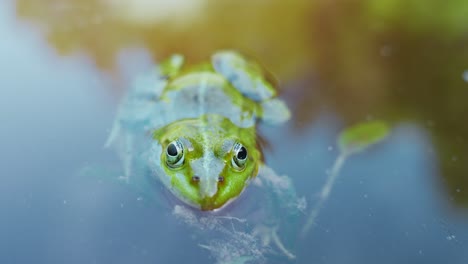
x: 175, y: 154
x: 240, y: 156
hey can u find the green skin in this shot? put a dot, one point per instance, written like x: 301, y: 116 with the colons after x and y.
x: 195, y: 129
x: 222, y: 132
x: 209, y: 110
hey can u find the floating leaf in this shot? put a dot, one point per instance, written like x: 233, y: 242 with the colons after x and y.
x: 360, y: 136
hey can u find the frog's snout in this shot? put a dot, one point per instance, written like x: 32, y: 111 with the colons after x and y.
x: 208, y: 186
x: 207, y: 171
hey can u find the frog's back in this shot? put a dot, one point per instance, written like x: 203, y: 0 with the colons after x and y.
x: 199, y: 93
x: 230, y: 86
x: 208, y: 114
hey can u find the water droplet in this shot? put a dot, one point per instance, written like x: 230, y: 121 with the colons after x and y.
x: 330, y: 148
x: 465, y: 76
x: 139, y: 198
x: 64, y: 201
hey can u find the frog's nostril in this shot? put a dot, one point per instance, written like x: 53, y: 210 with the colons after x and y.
x: 195, y: 178
x: 220, y: 179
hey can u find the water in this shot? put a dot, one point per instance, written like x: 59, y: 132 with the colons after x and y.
x: 402, y: 201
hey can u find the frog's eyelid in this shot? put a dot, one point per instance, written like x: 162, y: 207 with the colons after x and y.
x: 187, y: 144
x: 225, y: 148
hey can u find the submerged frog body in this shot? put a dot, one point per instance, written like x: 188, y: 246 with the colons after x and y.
x: 195, y: 127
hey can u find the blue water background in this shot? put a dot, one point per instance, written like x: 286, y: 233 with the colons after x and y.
x: 388, y: 205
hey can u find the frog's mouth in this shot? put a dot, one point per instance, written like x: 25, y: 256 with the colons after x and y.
x: 212, y: 205
x: 209, y: 204
x: 221, y: 195
x: 220, y: 201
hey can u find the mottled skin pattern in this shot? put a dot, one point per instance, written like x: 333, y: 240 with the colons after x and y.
x: 195, y: 127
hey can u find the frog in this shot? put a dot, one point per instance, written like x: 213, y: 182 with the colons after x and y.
x: 194, y: 129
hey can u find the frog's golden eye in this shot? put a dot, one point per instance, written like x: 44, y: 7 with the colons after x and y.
x: 175, y: 154
x: 240, y: 156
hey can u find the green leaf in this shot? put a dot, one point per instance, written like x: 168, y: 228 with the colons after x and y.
x: 359, y: 137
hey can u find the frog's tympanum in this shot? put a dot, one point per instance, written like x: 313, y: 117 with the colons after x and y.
x: 194, y: 126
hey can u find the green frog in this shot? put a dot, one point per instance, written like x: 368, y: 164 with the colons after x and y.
x: 197, y: 126
x: 194, y: 129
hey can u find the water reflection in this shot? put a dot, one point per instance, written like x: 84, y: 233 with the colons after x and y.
x: 196, y: 28
x: 392, y: 204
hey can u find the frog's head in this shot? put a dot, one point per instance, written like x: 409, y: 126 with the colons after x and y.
x: 206, y: 162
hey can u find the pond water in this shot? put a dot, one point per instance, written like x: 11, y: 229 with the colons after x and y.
x: 403, y: 200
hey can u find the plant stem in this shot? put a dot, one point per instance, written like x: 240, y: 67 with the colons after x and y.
x: 324, y: 193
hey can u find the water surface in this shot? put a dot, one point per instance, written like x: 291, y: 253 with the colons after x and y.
x: 402, y: 201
